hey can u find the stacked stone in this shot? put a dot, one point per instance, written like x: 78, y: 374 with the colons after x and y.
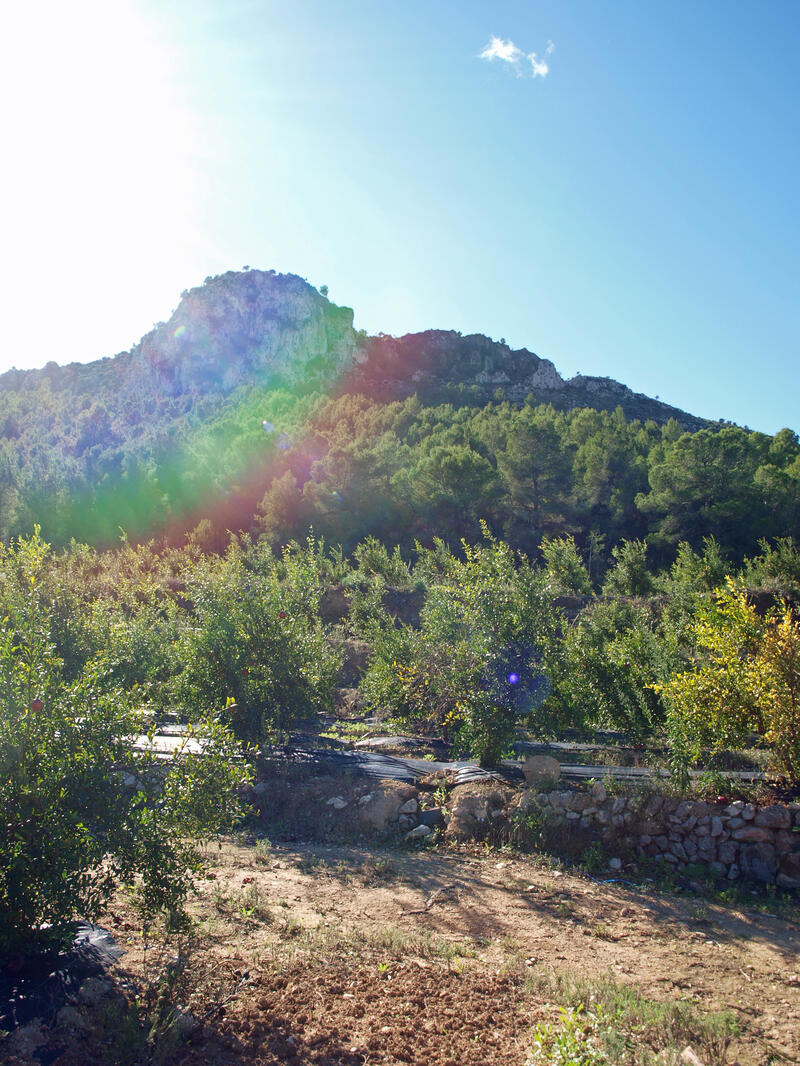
x: 737, y: 841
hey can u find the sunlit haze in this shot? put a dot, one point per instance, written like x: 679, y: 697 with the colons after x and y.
x: 612, y: 187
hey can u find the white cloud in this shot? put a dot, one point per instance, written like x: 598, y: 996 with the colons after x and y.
x: 525, y: 64
x: 497, y: 48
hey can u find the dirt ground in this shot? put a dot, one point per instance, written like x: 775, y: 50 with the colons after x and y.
x: 308, y: 953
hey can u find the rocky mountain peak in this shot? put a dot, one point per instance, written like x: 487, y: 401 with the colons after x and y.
x: 247, y: 326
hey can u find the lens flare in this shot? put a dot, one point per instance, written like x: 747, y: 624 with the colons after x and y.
x: 513, y: 679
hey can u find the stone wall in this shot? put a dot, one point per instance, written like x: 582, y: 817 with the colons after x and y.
x: 738, y: 841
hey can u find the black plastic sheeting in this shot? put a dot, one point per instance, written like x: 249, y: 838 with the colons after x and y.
x: 395, y: 767
x: 37, y: 986
x: 375, y: 764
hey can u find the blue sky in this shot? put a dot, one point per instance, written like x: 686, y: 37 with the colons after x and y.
x: 631, y: 212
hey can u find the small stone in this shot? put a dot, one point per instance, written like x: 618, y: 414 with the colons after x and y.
x: 419, y: 833
x: 337, y: 803
x: 598, y: 793
x: 753, y: 834
x: 433, y: 816
x: 409, y: 807
x: 689, y: 1058
x: 94, y: 988
x: 716, y: 826
x: 615, y: 864
x: 69, y: 1018
x: 789, y: 876
x: 28, y: 1038
x: 728, y: 852
x: 185, y: 1023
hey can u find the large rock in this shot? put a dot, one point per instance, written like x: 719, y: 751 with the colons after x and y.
x: 776, y: 817
x: 240, y: 327
x: 475, y: 811
x: 380, y: 807
x: 757, y: 862
x: 433, y: 816
x: 753, y: 834
x: 541, y: 771
x: 789, y: 873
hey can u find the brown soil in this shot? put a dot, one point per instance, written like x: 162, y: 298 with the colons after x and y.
x: 338, y: 954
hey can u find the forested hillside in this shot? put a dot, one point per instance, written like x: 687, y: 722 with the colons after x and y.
x: 259, y: 408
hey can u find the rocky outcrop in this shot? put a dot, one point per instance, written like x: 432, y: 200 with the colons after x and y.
x: 441, y: 365
x: 245, y: 328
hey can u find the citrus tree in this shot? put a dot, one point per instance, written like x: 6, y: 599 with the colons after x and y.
x: 82, y: 811
x: 484, y: 657
x: 255, y: 644
x: 745, y: 681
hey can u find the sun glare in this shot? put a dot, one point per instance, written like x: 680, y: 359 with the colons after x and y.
x: 100, y: 166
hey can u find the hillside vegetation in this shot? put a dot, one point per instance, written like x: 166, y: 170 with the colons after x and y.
x: 259, y: 408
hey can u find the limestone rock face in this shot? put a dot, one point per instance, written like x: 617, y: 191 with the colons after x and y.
x: 243, y: 328
x: 437, y: 364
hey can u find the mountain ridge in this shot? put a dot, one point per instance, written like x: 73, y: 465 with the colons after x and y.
x: 255, y: 326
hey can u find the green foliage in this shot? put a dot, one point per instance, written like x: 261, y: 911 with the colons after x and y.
x: 372, y: 559
x: 483, y: 657
x: 602, y: 1023
x: 746, y: 681
x: 82, y: 811
x: 571, y: 1042
x: 705, y: 483
x: 83, y: 454
x: 697, y: 572
x: 776, y: 569
x: 630, y: 575
x: 566, y: 571
x: 614, y: 653
x: 255, y: 651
